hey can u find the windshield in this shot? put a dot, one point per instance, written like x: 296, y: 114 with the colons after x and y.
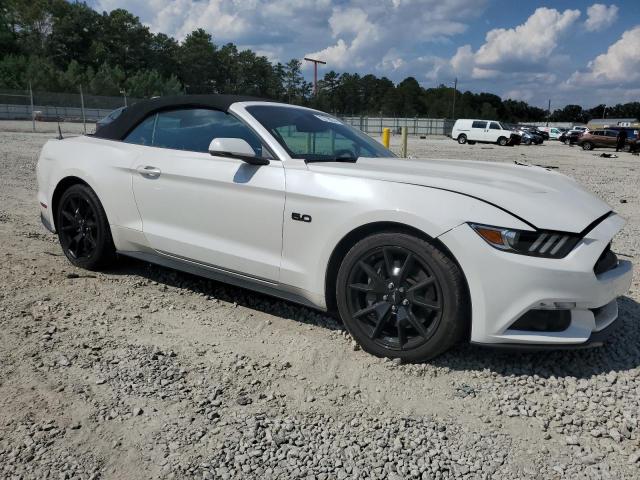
x: 315, y: 136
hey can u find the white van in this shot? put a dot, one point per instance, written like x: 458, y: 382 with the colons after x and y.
x: 472, y: 131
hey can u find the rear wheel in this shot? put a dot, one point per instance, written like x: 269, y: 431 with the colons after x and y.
x: 587, y: 146
x: 401, y: 297
x: 83, y: 229
x: 502, y: 141
x: 462, y: 139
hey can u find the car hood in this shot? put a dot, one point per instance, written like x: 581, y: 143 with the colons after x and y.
x: 543, y: 198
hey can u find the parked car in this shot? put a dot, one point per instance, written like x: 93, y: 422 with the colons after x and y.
x: 632, y: 133
x: 292, y: 202
x: 605, y: 138
x: 487, y: 131
x: 633, y: 145
x: 570, y: 137
x: 553, y: 132
x: 109, y: 118
x: 537, y: 131
x: 544, y: 134
x: 531, y: 136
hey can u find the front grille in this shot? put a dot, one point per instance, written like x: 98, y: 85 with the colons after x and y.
x: 607, y: 261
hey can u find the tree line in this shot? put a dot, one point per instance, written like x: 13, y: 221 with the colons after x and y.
x: 58, y: 46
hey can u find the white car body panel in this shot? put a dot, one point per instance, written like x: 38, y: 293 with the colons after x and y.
x: 219, y: 211
x: 221, y: 215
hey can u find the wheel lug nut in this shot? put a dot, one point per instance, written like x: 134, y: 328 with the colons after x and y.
x: 394, y: 308
x: 405, y: 302
x: 390, y: 285
x: 385, y: 297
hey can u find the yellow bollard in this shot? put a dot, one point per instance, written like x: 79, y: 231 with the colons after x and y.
x: 405, y: 132
x: 386, y: 137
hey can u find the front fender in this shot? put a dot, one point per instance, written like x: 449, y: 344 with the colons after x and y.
x: 339, y: 205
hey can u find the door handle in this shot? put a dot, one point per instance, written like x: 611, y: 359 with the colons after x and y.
x: 148, y: 171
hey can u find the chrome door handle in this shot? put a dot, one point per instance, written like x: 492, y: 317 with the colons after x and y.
x: 148, y: 171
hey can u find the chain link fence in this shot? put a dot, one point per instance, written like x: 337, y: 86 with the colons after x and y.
x: 415, y: 126
x: 60, y: 107
x: 77, y: 107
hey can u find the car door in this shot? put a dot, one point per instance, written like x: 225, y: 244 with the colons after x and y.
x: 217, y: 211
x: 611, y: 138
x: 494, y: 132
x: 598, y: 138
x: 477, y: 133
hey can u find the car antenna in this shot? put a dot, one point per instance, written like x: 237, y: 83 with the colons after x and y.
x: 60, y: 137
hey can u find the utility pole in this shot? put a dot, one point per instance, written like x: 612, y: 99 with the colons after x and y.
x: 33, y: 118
x: 548, y: 112
x: 124, y: 94
x: 604, y: 111
x: 315, y: 72
x: 84, y: 118
x: 453, y: 108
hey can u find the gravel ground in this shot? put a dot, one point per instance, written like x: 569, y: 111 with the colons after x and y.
x: 144, y: 372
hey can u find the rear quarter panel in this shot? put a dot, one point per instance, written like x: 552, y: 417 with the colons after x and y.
x: 105, y: 165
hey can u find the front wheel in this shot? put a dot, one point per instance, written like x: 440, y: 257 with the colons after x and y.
x: 502, y: 141
x: 587, y: 146
x: 401, y: 297
x: 83, y: 229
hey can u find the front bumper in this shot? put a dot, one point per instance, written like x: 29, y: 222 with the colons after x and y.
x: 504, y: 286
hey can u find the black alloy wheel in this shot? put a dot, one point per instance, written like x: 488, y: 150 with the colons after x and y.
x: 83, y: 229
x: 399, y: 296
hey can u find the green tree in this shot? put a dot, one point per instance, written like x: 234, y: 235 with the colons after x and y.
x: 107, y: 81
x: 13, y: 69
x: 149, y: 83
x: 73, y: 29
x: 197, y: 63
x: 293, y: 81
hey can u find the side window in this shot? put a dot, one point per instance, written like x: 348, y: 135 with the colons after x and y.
x: 495, y: 126
x: 193, y: 129
x: 143, y: 133
x: 327, y: 142
x: 478, y: 124
x: 598, y: 132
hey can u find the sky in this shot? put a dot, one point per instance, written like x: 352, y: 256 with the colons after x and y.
x: 564, y: 51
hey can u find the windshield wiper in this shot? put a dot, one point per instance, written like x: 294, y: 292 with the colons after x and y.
x: 332, y: 159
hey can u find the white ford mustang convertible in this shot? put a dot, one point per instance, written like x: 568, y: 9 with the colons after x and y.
x: 414, y: 255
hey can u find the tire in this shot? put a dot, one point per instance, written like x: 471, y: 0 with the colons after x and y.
x: 527, y: 142
x: 462, y: 139
x: 587, y: 146
x: 502, y: 141
x: 567, y: 142
x: 83, y: 229
x: 398, y: 308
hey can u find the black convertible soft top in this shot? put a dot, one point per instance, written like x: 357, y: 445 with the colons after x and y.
x: 134, y: 114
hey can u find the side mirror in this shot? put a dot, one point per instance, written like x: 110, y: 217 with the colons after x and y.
x: 235, y: 148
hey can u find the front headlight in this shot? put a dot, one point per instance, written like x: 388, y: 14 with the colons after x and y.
x: 541, y: 243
